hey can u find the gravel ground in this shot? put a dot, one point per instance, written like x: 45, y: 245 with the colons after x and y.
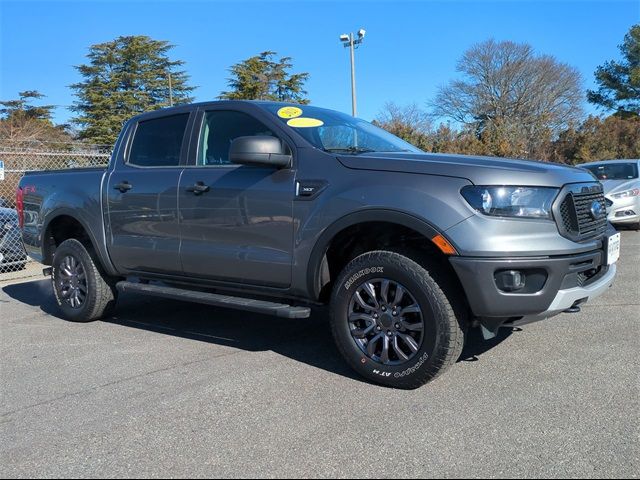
x: 172, y: 389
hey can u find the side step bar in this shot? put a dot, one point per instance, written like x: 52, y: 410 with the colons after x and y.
x: 237, y: 303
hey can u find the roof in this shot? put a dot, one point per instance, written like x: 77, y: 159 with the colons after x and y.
x: 185, y: 107
x: 619, y: 160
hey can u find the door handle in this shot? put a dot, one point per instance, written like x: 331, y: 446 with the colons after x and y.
x: 123, y: 187
x: 199, y: 188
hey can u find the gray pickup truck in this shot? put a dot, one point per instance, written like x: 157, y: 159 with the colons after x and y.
x: 277, y: 208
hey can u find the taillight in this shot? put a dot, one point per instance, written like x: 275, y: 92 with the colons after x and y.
x: 20, y: 206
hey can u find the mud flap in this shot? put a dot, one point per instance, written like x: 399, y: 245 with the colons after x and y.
x: 490, y: 326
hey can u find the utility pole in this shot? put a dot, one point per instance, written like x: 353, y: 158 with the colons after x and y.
x: 170, y: 92
x: 350, y: 41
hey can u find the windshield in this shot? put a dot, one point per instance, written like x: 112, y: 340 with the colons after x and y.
x: 614, y: 171
x: 337, y: 132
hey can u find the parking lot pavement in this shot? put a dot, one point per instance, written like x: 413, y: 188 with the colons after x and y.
x: 173, y: 389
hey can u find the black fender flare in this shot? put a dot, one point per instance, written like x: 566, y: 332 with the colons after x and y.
x: 97, y: 245
x: 364, y: 216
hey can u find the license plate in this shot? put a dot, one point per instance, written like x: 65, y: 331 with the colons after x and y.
x: 613, y: 249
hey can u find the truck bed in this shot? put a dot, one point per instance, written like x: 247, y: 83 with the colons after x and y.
x: 76, y: 191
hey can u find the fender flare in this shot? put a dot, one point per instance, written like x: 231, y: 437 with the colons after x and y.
x: 97, y: 245
x: 364, y: 216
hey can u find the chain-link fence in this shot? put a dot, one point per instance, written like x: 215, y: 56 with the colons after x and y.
x: 17, y: 158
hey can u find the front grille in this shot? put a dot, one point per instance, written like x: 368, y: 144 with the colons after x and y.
x: 577, y: 220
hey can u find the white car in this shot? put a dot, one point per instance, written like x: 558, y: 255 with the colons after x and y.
x: 621, y: 188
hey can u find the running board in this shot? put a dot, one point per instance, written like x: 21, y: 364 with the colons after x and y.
x: 237, y: 303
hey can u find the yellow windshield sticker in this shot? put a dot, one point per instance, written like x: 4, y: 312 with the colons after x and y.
x: 289, y: 112
x: 305, y: 122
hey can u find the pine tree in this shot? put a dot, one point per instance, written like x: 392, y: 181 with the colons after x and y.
x: 21, y: 121
x: 262, y: 78
x: 125, y: 77
x: 619, y: 82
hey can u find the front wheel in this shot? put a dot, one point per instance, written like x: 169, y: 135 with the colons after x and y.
x: 83, y: 292
x: 393, y: 322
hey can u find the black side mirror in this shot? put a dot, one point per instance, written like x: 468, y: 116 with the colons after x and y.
x: 259, y: 150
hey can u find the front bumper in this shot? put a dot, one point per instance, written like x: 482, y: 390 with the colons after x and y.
x: 624, y: 210
x: 570, y: 297
x: 559, y: 283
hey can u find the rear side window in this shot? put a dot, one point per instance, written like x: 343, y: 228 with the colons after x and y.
x: 157, y: 142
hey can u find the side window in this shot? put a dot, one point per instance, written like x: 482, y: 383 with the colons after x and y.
x: 218, y: 131
x: 157, y: 142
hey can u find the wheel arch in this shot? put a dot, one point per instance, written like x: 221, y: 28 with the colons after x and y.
x: 371, y: 218
x: 64, y: 224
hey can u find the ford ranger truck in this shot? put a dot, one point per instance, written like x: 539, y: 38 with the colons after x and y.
x: 278, y: 208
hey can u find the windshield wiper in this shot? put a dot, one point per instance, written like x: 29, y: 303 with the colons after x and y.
x: 352, y: 150
x: 402, y: 150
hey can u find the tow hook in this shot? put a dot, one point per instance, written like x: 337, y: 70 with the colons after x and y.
x: 575, y: 308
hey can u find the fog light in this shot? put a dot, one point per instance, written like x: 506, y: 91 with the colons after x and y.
x: 510, y: 280
x: 626, y: 213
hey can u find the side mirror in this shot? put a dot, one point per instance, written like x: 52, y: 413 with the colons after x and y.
x: 259, y: 150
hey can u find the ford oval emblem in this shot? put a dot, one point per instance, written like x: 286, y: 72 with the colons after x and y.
x: 596, y: 210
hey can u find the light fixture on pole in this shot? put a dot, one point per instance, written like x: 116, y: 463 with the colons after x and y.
x: 350, y: 41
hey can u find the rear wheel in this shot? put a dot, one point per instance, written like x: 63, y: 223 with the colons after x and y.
x: 83, y: 292
x: 393, y: 322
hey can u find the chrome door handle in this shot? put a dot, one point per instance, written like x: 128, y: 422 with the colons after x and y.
x: 199, y: 188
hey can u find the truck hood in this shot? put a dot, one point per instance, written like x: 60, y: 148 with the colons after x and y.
x: 478, y: 170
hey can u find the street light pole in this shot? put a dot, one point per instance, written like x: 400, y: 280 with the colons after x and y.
x: 353, y: 76
x: 170, y: 92
x: 350, y: 41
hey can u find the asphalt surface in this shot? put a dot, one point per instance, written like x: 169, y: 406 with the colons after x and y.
x: 171, y: 389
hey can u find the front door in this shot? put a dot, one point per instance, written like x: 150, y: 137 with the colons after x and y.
x: 142, y: 193
x: 236, y: 220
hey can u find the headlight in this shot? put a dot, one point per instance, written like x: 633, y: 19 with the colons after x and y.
x: 520, y: 202
x: 634, y: 192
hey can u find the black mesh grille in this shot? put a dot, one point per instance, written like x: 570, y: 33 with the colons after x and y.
x: 577, y: 220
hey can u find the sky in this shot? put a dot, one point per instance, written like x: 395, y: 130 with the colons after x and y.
x: 410, y: 48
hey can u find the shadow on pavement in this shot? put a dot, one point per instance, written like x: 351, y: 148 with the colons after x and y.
x: 476, y: 345
x: 304, y: 340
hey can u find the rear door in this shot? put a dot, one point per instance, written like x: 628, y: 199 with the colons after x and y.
x: 240, y: 228
x: 144, y: 231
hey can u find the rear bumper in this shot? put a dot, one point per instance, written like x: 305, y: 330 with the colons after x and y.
x: 557, y: 284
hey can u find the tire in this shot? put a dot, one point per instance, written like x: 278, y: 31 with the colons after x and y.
x: 407, y: 364
x: 99, y: 296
